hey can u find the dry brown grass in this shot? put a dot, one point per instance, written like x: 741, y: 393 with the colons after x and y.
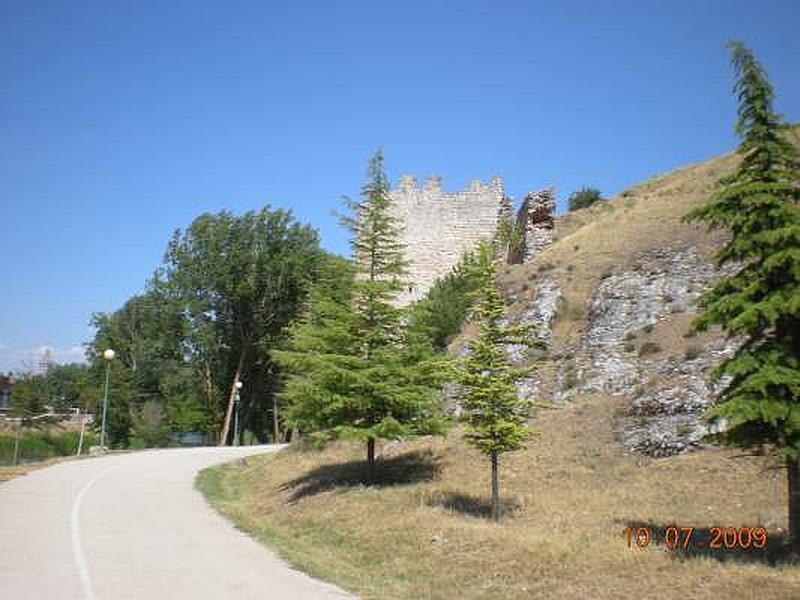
x: 592, y: 242
x: 569, y: 497
x: 10, y: 472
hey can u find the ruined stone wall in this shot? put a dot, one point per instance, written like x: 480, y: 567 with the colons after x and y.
x: 536, y: 220
x: 440, y: 227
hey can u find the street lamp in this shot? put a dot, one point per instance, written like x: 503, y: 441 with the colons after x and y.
x: 238, y: 385
x: 108, y: 356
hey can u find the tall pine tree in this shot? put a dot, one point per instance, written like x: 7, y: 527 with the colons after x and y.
x: 355, y: 371
x: 760, y: 303
x: 497, y: 418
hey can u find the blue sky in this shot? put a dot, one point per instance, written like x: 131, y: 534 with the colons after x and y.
x: 121, y: 121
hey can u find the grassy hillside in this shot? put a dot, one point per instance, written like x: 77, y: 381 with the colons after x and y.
x: 570, y: 496
x: 610, y: 234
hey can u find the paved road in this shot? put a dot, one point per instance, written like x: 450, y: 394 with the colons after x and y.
x: 132, y: 526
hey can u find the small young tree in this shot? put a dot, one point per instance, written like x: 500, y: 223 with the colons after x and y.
x: 760, y: 303
x: 497, y: 418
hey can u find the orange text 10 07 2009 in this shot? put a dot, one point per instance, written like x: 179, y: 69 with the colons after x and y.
x: 689, y: 538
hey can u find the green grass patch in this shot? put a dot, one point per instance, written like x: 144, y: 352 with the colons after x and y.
x: 36, y: 446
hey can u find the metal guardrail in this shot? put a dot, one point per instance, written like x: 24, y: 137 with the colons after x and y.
x: 64, y: 416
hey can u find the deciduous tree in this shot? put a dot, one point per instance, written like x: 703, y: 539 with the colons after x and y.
x: 238, y: 281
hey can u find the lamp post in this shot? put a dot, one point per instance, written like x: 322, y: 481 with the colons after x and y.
x: 108, y: 356
x: 238, y: 385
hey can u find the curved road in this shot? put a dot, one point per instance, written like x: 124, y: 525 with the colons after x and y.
x: 133, y: 526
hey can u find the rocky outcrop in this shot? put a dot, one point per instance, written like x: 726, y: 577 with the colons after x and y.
x: 667, y: 418
x: 540, y: 314
x: 632, y: 309
x: 659, y: 283
x: 667, y: 394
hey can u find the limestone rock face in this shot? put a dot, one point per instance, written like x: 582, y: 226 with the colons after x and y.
x: 667, y: 419
x: 541, y: 312
x: 666, y: 394
x: 660, y: 282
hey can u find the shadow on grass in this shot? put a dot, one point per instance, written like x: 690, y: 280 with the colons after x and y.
x: 406, y: 468
x: 705, y: 543
x: 471, y: 505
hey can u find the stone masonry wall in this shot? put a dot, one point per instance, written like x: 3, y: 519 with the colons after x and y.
x: 536, y: 219
x: 440, y: 227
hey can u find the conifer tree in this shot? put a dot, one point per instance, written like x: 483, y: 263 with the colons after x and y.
x: 355, y: 371
x: 497, y: 418
x: 321, y: 357
x: 760, y: 303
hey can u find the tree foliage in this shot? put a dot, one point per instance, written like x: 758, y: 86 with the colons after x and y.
x: 441, y: 313
x: 209, y: 317
x: 496, y: 416
x: 61, y: 388
x: 760, y: 303
x: 355, y: 370
x: 583, y: 198
x: 238, y: 282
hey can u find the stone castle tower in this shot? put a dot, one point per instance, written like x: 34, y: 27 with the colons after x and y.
x: 439, y: 227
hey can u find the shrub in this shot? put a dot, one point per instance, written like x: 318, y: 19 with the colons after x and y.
x: 546, y: 266
x: 692, y: 352
x: 570, y: 376
x: 583, y: 198
x: 572, y: 312
x: 42, y: 445
x: 649, y: 348
x: 440, y: 314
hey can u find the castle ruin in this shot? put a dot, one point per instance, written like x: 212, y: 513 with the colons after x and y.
x: 439, y: 227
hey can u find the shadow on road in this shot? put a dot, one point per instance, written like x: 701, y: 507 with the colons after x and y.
x: 406, y: 468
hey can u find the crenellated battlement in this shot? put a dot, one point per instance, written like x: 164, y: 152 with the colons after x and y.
x: 439, y: 227
x: 433, y: 187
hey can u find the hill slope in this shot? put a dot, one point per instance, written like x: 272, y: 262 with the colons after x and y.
x: 614, y: 295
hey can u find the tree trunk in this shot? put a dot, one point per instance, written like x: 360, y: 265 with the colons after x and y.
x: 16, y: 448
x: 209, y: 386
x: 495, y: 489
x: 276, y: 432
x: 226, y: 425
x: 370, y: 461
x: 793, y: 473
